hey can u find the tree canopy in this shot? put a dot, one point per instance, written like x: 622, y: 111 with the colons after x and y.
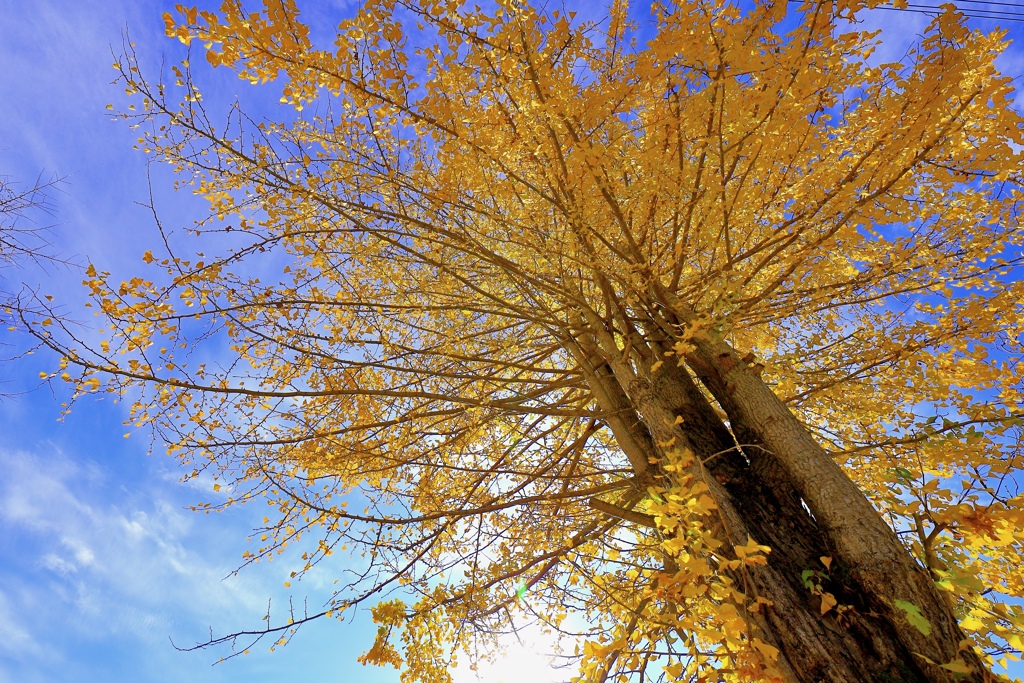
x: 692, y: 334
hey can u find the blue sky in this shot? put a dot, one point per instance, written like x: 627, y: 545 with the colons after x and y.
x: 100, y: 560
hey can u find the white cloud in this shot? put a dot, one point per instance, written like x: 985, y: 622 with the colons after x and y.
x: 56, y: 563
x: 14, y: 638
x: 133, y: 566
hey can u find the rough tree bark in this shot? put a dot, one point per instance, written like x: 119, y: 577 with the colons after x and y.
x: 773, y: 483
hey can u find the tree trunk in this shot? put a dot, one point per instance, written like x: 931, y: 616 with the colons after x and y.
x: 764, y: 466
x: 882, y: 574
x: 774, y: 484
x: 756, y: 502
x: 877, y: 573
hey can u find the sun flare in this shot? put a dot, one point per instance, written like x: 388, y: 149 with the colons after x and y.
x: 526, y: 661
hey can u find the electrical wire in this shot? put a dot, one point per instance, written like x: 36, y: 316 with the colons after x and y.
x: 968, y: 12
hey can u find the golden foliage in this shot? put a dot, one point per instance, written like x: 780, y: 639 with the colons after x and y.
x: 421, y: 274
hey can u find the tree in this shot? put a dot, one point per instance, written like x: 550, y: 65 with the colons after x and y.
x: 699, y: 328
x: 22, y: 241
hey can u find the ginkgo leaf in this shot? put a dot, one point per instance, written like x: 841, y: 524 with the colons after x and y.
x: 914, y: 616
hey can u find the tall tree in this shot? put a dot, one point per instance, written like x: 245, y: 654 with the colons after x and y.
x: 697, y: 335
x: 23, y: 241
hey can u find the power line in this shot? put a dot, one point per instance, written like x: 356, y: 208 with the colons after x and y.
x: 969, y: 13
x: 1016, y: 5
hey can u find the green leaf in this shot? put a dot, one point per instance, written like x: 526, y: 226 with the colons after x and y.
x: 812, y: 578
x: 960, y: 580
x: 904, y: 475
x: 914, y: 616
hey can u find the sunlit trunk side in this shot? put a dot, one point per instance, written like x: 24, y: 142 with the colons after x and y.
x: 819, y: 647
x: 863, y: 545
x: 813, y: 647
x: 816, y: 646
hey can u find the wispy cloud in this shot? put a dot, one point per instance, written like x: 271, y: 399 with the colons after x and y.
x: 130, y: 566
x: 13, y: 637
x: 100, y: 563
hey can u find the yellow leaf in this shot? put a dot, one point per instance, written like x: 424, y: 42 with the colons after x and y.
x: 750, y: 548
x: 828, y: 601
x: 957, y: 666
x: 971, y: 623
x: 770, y: 652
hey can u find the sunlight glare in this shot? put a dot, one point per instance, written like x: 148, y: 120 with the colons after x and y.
x: 526, y: 662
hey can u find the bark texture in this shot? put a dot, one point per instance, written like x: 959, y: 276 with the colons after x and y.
x: 774, y: 483
x: 880, y: 569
